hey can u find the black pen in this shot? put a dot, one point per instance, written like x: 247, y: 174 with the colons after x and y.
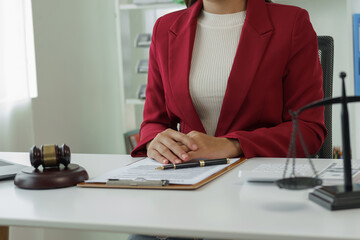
x: 200, y: 163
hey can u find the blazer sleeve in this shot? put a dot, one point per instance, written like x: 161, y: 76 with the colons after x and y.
x: 155, y: 118
x: 302, y: 84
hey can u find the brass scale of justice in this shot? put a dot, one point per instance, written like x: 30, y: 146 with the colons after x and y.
x: 339, y: 197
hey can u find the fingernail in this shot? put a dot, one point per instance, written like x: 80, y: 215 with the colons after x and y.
x: 194, y: 146
x: 184, y: 156
x: 177, y: 161
x: 164, y: 161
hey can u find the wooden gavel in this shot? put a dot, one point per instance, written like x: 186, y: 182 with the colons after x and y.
x: 50, y: 156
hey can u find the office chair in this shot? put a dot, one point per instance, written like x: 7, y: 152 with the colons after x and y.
x: 326, y: 55
x: 131, y: 140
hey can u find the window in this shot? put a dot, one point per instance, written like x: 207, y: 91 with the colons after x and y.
x: 17, y: 53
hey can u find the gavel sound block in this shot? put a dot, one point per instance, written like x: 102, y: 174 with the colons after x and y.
x: 51, y: 169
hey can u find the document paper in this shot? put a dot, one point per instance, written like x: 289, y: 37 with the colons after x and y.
x: 146, y: 169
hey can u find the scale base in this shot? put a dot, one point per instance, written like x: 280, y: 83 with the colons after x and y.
x: 31, y: 178
x: 336, y: 198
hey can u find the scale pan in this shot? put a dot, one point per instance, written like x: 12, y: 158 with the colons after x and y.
x: 298, y: 183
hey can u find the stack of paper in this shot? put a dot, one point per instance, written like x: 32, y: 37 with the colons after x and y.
x: 146, y: 169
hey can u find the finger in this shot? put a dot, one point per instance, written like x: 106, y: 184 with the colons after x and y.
x: 176, y: 149
x: 167, y: 153
x: 186, y: 150
x: 184, y: 147
x: 194, y: 155
x: 194, y: 134
x: 184, y: 139
x: 153, y: 154
x: 168, y: 139
x: 158, y: 151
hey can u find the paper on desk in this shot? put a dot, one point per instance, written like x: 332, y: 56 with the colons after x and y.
x: 334, y: 174
x: 146, y: 169
x: 331, y: 173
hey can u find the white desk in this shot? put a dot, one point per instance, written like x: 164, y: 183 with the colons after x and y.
x: 223, y: 209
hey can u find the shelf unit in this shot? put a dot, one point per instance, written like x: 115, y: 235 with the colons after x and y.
x: 134, y: 29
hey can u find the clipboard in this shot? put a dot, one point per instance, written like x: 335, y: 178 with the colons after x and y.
x: 159, y: 184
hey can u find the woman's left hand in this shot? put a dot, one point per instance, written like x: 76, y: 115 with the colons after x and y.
x: 210, y: 147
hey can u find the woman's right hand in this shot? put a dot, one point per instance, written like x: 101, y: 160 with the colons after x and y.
x: 170, y: 146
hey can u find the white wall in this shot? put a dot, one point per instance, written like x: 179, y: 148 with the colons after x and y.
x: 78, y: 79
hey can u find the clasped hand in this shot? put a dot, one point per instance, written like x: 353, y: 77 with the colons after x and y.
x: 171, y: 146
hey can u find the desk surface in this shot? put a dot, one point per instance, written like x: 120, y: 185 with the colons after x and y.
x: 226, y: 208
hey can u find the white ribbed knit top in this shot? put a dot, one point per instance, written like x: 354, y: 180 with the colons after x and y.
x: 216, y: 40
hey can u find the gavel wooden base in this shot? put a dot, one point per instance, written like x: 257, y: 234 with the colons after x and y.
x: 31, y: 178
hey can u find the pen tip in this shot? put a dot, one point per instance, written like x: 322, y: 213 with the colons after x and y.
x: 160, y: 168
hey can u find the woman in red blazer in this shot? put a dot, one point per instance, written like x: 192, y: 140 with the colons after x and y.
x: 276, y: 69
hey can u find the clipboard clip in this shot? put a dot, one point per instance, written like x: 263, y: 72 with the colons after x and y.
x: 137, y: 182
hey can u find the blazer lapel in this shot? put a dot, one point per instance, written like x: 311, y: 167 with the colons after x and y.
x: 256, y: 33
x: 181, y: 42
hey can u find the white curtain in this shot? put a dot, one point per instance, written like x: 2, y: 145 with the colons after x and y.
x: 17, y: 55
x: 17, y: 75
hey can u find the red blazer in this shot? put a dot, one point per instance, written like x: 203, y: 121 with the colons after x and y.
x: 276, y: 68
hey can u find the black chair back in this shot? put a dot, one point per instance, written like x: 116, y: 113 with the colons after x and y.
x: 326, y: 55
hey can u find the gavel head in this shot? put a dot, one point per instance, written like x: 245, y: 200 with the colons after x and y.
x: 50, y: 156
